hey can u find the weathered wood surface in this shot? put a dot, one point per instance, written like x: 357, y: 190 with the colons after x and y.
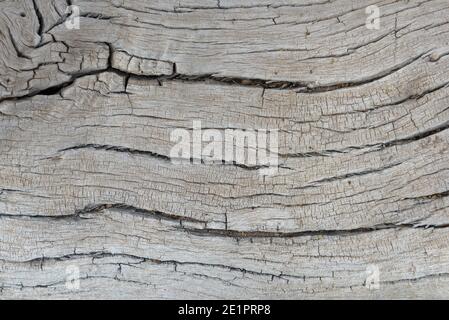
x: 86, y: 179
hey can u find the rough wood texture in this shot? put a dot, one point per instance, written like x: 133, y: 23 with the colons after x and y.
x: 86, y: 178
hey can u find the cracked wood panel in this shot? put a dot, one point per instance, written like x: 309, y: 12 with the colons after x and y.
x: 86, y: 178
x: 125, y: 253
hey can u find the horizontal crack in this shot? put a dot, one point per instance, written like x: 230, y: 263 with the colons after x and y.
x: 227, y: 232
x: 377, y: 146
x: 353, y: 174
x: 430, y: 196
x: 305, y: 87
x: 104, y: 254
x: 135, y: 210
x: 160, y: 156
x: 89, y: 209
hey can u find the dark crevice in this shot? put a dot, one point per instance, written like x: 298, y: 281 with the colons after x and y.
x: 376, y: 146
x: 140, y: 259
x: 55, y: 89
x: 227, y: 233
x: 97, y: 255
x: 116, y: 149
x: 52, y: 90
x: 432, y: 196
x: 299, y: 86
x: 83, y: 214
x: 240, y: 81
x: 97, y: 16
x: 353, y: 174
x: 185, y: 161
x: 40, y: 217
x: 307, y: 233
x: 416, y: 279
x: 62, y: 19
x: 417, y: 136
x: 134, y: 210
x: 250, y: 82
x: 19, y: 53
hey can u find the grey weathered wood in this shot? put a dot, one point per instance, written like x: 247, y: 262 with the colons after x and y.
x: 86, y: 179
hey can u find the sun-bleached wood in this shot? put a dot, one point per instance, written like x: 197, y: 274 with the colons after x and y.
x: 86, y: 177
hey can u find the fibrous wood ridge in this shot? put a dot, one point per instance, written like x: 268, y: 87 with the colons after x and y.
x: 87, y: 178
